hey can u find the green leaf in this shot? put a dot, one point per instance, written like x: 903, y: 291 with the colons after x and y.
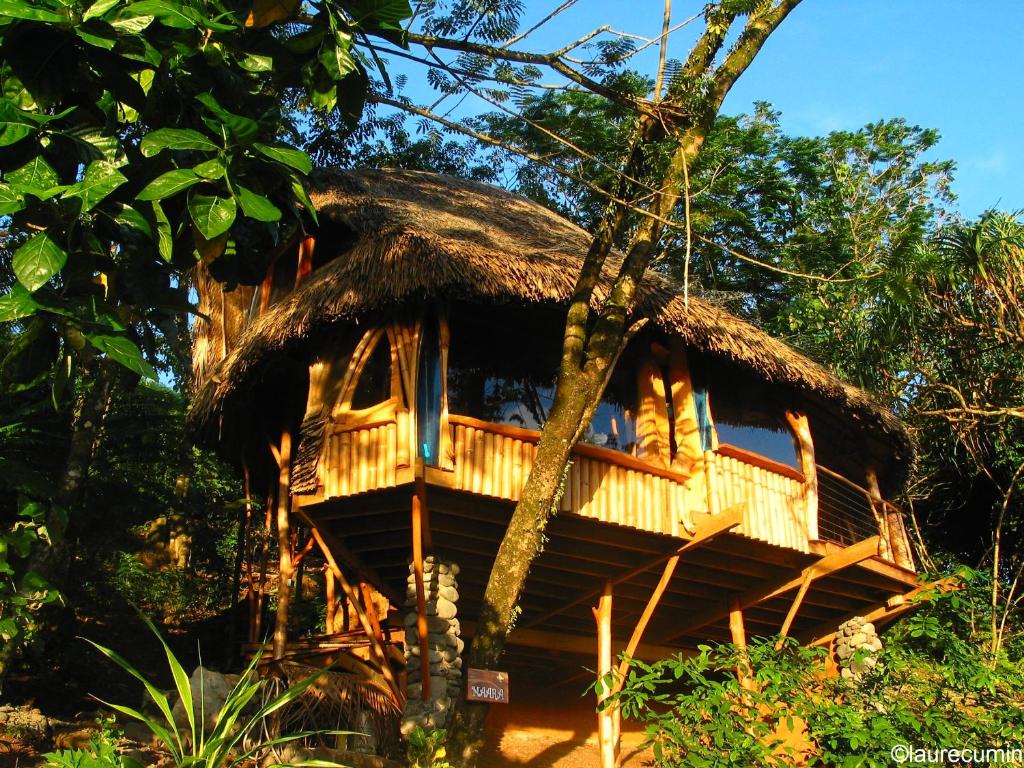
x: 17, y: 304
x: 131, y: 218
x: 99, y: 8
x: 211, y: 169
x: 293, y: 158
x: 18, y: 9
x: 335, y: 57
x: 164, y: 236
x: 175, y: 138
x: 15, y: 125
x: 37, y: 261
x: 99, y: 37
x: 257, y: 206
x: 10, y: 201
x: 212, y: 215
x: 176, y: 15
x: 100, y: 179
x: 243, y: 129
x: 36, y: 177
x: 170, y: 183
x: 300, y: 194
x: 132, y: 25
x: 254, y: 62
x: 124, y: 351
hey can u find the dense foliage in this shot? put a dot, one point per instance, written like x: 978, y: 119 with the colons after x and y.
x: 934, y: 686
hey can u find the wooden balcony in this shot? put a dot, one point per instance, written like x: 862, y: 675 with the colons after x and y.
x: 493, y: 460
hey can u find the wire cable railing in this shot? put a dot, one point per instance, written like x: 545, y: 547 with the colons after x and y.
x: 845, y: 512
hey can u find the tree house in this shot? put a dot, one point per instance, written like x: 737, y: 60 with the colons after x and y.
x: 386, y: 385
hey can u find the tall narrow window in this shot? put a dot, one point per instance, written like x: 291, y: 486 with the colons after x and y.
x: 428, y: 395
x: 374, y: 385
x: 700, y: 405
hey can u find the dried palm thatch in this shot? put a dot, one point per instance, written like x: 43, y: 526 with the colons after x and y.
x: 405, y: 235
x: 335, y: 701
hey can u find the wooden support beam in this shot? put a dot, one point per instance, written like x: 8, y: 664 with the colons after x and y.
x: 283, y: 457
x: 418, y: 504
x: 738, y: 635
x: 894, y: 607
x: 645, y: 617
x: 605, y: 715
x: 332, y: 601
x: 791, y: 616
x: 829, y: 564
x: 708, y: 529
x: 802, y: 429
x: 351, y: 560
x: 583, y: 645
x: 353, y: 597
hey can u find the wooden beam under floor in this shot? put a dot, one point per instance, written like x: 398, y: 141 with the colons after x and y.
x: 577, y: 644
x: 829, y: 564
x: 710, y: 528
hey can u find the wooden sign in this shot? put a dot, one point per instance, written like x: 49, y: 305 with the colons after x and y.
x: 486, y: 685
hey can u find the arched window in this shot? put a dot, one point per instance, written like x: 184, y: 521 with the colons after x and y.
x: 374, y: 385
x: 428, y: 394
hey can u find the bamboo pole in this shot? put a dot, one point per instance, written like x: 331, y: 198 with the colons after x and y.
x: 332, y: 601
x: 364, y: 621
x: 283, y: 457
x: 421, y: 597
x: 605, y: 716
x: 738, y: 633
x: 645, y: 617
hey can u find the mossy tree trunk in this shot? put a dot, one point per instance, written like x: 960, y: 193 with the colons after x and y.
x: 595, y: 337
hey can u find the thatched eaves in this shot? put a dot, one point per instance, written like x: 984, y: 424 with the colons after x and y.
x: 412, y: 234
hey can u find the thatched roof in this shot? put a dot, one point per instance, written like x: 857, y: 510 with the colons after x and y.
x: 413, y: 234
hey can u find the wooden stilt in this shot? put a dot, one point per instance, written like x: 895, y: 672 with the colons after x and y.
x: 283, y: 456
x: 605, y: 716
x: 641, y: 625
x: 791, y: 615
x: 738, y: 632
x: 364, y: 620
x: 332, y: 601
x: 418, y: 505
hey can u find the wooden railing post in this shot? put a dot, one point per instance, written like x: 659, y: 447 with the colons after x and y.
x: 802, y: 429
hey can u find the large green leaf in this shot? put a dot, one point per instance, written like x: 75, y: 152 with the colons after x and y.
x: 243, y: 129
x: 212, y: 215
x: 18, y: 9
x: 17, y: 304
x: 100, y: 179
x: 10, y: 201
x: 293, y: 158
x: 124, y: 351
x: 15, y: 125
x: 36, y: 177
x: 257, y: 206
x: 99, y: 8
x: 171, y: 14
x: 336, y: 57
x: 164, y: 236
x: 37, y: 261
x: 170, y: 183
x: 175, y: 138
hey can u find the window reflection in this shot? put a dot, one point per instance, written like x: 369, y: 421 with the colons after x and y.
x: 374, y: 386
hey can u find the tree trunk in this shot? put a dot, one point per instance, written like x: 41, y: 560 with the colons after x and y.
x: 591, y: 345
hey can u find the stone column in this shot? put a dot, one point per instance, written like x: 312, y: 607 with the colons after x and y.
x: 856, y: 648
x: 443, y: 644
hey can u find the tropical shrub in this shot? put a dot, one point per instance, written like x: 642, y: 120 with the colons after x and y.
x: 934, y: 686
x: 234, y: 736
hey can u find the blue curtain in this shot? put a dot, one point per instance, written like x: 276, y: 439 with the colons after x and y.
x: 428, y: 394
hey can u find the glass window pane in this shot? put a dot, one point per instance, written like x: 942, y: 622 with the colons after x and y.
x: 374, y: 385
x: 776, y: 444
x: 428, y: 395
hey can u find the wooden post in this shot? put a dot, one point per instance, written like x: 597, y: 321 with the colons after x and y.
x: 889, y: 523
x: 283, y: 456
x: 878, y: 510
x: 605, y: 717
x: 739, y: 638
x: 641, y: 625
x: 332, y: 601
x: 418, y: 499
x: 802, y: 429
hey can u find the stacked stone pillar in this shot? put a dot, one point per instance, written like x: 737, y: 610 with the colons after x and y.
x: 856, y: 648
x: 444, y: 646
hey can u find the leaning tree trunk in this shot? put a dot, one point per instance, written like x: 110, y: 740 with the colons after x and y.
x: 591, y: 346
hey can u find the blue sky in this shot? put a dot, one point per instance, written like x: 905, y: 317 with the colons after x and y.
x: 838, y: 64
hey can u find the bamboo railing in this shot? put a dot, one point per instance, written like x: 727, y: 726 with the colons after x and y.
x: 495, y: 459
